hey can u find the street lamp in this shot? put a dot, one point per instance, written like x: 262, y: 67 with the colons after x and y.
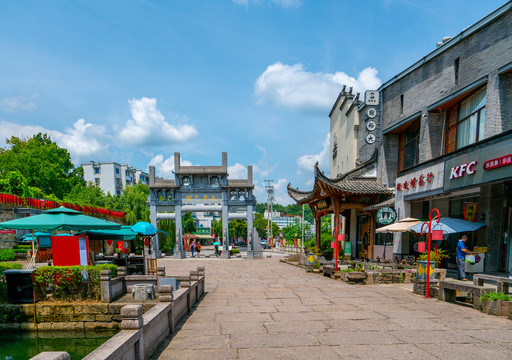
x: 429, y: 224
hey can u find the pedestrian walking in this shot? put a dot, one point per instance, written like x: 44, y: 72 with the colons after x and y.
x: 198, y: 248
x: 217, y: 249
x: 193, y: 247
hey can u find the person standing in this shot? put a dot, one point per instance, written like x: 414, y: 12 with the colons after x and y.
x: 193, y: 247
x: 198, y: 248
x: 217, y: 249
x: 461, y: 255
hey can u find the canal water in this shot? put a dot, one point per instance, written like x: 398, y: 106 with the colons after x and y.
x: 24, y: 345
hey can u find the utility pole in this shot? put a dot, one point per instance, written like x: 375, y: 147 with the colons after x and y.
x: 270, y: 199
x: 302, y: 245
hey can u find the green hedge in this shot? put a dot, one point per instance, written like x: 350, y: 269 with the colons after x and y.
x: 7, y: 255
x: 9, y: 266
x: 72, y: 282
x: 25, y: 247
x: 235, y: 251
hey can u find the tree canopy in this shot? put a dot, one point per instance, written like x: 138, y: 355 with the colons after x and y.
x: 41, y: 163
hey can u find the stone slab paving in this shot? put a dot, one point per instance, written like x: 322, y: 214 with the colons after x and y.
x: 264, y: 309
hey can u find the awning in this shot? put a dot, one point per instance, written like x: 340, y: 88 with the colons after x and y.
x: 204, y: 236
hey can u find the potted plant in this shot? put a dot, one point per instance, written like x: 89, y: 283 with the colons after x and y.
x: 495, y: 303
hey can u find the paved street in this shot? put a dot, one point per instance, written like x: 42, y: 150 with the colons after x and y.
x: 264, y: 309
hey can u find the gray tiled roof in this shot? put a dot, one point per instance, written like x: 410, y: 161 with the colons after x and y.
x: 352, y: 182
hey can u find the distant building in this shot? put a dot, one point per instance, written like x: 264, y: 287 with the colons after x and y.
x: 112, y: 177
x: 284, y: 220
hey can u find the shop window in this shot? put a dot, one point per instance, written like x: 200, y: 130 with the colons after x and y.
x: 409, y: 146
x: 465, y: 122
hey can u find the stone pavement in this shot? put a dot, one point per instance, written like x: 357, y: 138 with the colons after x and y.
x: 264, y: 309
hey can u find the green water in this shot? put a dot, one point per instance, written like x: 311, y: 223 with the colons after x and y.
x: 24, y: 345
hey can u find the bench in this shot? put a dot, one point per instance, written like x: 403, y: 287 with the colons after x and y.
x: 448, y: 289
x: 502, y: 283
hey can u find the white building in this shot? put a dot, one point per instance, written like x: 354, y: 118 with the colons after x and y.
x: 283, y: 220
x: 112, y: 177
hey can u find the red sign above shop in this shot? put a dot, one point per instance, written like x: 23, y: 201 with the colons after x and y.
x: 498, y: 162
x: 7, y: 231
x: 415, y: 181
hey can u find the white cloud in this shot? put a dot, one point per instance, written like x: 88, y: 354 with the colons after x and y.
x: 295, y: 88
x: 306, y: 163
x: 148, y: 126
x: 82, y: 140
x: 263, y: 168
x: 165, y: 167
x: 19, y: 102
x: 281, y: 193
x: 237, y: 171
x: 281, y: 196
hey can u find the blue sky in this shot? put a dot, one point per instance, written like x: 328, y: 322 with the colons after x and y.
x: 135, y: 81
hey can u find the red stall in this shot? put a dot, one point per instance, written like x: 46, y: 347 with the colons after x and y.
x: 70, y: 250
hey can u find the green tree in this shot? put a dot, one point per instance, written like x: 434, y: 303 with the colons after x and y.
x: 260, y: 224
x: 188, y: 223
x: 42, y: 163
x: 167, y: 242
x: 88, y: 195
x: 134, y: 203
x: 237, y: 229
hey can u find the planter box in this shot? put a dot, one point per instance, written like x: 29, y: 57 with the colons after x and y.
x: 497, y: 307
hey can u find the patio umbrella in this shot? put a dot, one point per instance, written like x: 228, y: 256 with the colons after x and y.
x: 401, y: 226
x: 144, y: 228
x: 450, y: 225
x: 59, y: 219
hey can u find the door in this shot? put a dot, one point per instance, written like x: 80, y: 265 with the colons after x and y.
x: 505, y: 264
x: 363, y: 236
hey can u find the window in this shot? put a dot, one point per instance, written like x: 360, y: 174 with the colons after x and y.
x: 117, y: 171
x: 409, y: 149
x: 401, y: 104
x: 466, y: 121
x: 456, y: 70
x: 97, y: 181
x: 96, y: 170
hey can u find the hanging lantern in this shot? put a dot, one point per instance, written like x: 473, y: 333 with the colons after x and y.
x: 109, y: 242
x: 421, y: 246
x: 437, y: 235
x: 325, y: 212
x: 146, y: 242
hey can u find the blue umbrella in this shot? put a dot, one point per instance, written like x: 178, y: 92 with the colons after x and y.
x: 450, y: 225
x: 144, y: 228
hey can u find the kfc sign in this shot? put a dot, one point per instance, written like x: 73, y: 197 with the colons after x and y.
x: 461, y: 170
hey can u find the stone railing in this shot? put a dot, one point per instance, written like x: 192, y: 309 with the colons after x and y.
x: 112, y: 288
x: 141, y: 332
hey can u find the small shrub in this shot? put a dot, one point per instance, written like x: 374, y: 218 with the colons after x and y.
x: 493, y: 296
x: 7, y: 255
x: 235, y: 251
x: 317, y: 265
x: 72, y: 282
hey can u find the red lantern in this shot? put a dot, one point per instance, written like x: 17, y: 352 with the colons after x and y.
x: 146, y: 242
x: 421, y: 246
x: 325, y: 212
x: 437, y: 235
